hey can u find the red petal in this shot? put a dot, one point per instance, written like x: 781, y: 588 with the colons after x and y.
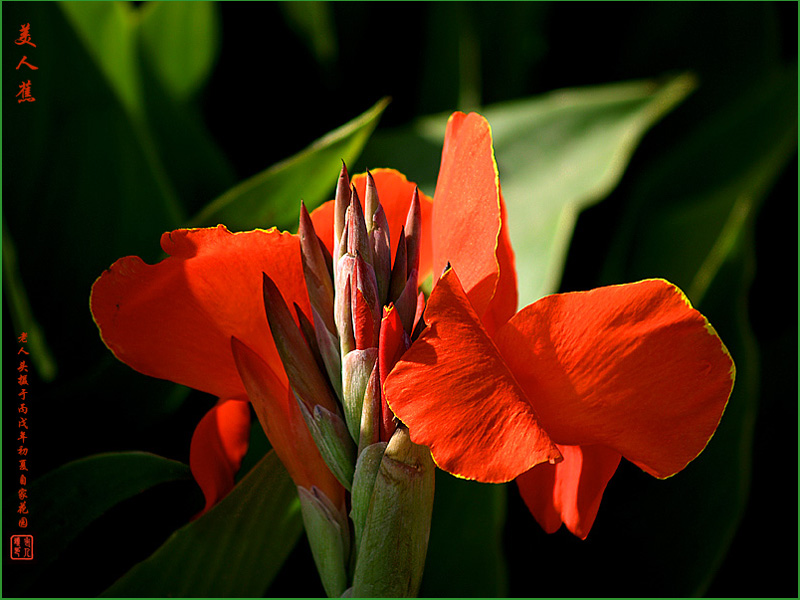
x: 392, y: 345
x: 569, y: 492
x: 466, y: 209
x: 395, y: 193
x: 632, y: 367
x: 456, y: 395
x: 279, y: 414
x: 219, y: 444
x: 504, y: 303
x: 174, y: 319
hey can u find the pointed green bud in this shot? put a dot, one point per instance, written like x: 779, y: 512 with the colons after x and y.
x: 328, y: 344
x: 341, y: 248
x: 332, y: 439
x: 329, y: 538
x: 343, y: 314
x: 315, y: 269
x: 357, y: 368
x: 340, y: 204
x: 301, y: 368
x: 399, y: 269
x: 391, y: 553
x: 381, y: 253
x: 371, y: 411
x: 357, y: 239
x: 413, y: 233
x: 369, y: 461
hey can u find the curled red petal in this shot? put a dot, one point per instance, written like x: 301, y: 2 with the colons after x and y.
x: 570, y: 491
x: 456, y: 395
x: 466, y: 208
x: 219, y: 444
x: 632, y: 367
x: 174, y: 319
x: 280, y: 416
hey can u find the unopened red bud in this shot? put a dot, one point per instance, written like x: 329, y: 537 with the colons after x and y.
x: 315, y: 269
x: 399, y: 269
x: 357, y: 240
x: 381, y: 253
x: 304, y: 375
x: 371, y: 201
x: 406, y: 304
x: 413, y: 233
x: 365, y: 281
x: 340, y: 204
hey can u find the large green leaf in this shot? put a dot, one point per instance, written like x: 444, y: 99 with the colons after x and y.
x: 234, y: 550
x: 66, y: 500
x: 272, y: 197
x: 556, y: 154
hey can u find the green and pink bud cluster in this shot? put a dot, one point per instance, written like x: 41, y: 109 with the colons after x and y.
x: 363, y: 312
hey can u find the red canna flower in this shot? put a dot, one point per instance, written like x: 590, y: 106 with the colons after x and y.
x: 570, y: 383
x: 554, y: 395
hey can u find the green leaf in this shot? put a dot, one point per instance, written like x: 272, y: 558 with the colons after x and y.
x: 234, y: 550
x: 556, y: 153
x: 181, y: 40
x: 66, y: 500
x: 465, y: 556
x: 108, y: 31
x: 22, y: 313
x: 273, y: 196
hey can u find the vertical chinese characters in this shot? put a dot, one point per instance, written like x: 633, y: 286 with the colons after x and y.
x: 24, y: 94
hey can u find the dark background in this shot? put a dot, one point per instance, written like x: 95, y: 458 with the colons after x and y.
x: 268, y: 97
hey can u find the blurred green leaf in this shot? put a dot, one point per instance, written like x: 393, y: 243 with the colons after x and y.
x: 22, y: 313
x: 556, y: 153
x: 313, y: 21
x: 234, y: 550
x: 465, y: 556
x: 66, y: 500
x: 273, y: 196
x: 108, y: 31
x: 181, y: 40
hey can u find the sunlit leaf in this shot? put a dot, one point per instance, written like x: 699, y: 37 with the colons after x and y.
x: 273, y: 196
x: 234, y: 550
x: 181, y: 39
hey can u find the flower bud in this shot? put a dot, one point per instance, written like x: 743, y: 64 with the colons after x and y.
x: 343, y: 314
x: 357, y: 239
x: 340, y: 204
x: 332, y: 439
x: 413, y: 233
x: 315, y: 269
x: 369, y: 461
x: 301, y: 368
x: 371, y: 411
x: 328, y: 344
x: 357, y: 368
x: 329, y: 537
x: 399, y: 269
x: 406, y: 304
x: 381, y: 253
x: 393, y: 544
